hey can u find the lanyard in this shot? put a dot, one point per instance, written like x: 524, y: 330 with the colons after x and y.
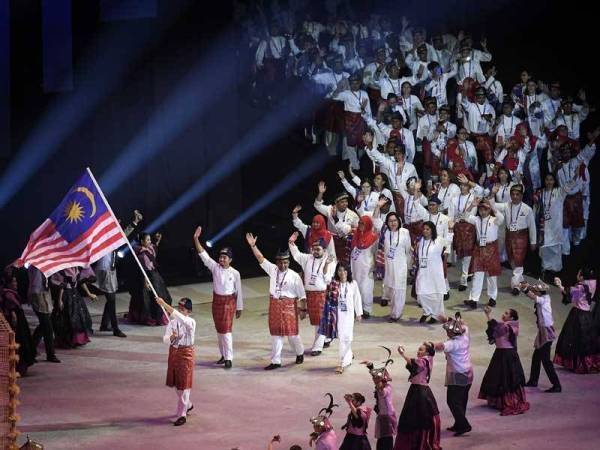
x: 512, y: 118
x: 312, y: 270
x: 487, y: 224
x: 279, y: 285
x: 345, y: 290
x: 549, y: 204
x: 479, y: 111
x: 366, y: 202
x: 392, y: 85
x: 436, y: 220
x: 357, y: 97
x: 503, y: 193
x: 466, y: 203
x: 397, y: 238
x: 445, y: 193
x: 422, y: 246
x: 407, y: 212
x: 518, y: 211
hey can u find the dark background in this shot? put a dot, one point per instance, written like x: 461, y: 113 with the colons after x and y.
x: 554, y: 40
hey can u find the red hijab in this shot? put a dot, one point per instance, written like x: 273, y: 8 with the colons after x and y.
x: 364, y: 239
x: 318, y: 231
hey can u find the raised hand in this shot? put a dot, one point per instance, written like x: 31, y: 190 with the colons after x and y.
x: 558, y: 282
x: 322, y: 187
x: 341, y: 174
x: 496, y: 188
x: 197, y: 233
x: 296, y: 209
x: 251, y: 239
x: 401, y: 350
x: 487, y: 310
x: 293, y: 237
x: 137, y: 216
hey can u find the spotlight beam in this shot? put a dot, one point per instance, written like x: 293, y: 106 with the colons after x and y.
x: 273, y: 126
x: 194, y: 95
x: 101, y: 69
x: 308, y: 167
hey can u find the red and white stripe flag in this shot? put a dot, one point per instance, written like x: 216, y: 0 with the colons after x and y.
x: 78, y: 233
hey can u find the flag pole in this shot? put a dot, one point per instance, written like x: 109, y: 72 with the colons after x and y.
x: 149, y: 283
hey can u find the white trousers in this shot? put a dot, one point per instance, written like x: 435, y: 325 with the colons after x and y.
x: 398, y: 299
x: 517, y: 277
x: 226, y: 345
x: 352, y: 154
x: 183, y: 402
x: 319, y: 341
x: 277, y: 347
x: 366, y: 285
x: 492, y: 286
x: 345, y: 352
x: 571, y: 234
x: 432, y: 304
x: 331, y: 141
x: 464, y: 271
x: 502, y: 244
x: 551, y: 257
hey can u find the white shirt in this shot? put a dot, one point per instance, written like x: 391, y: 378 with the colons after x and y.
x: 347, y: 219
x: 441, y: 226
x: 487, y: 229
x: 426, y: 126
x: 544, y: 311
x: 353, y: 101
x: 225, y: 281
x: 370, y: 78
x: 475, y: 122
x: 519, y: 217
x: 184, y: 327
x: 458, y: 357
x: 405, y: 136
x: 315, y: 278
x: 568, y: 175
x: 276, y: 45
x: 410, y: 106
x: 330, y: 80
x: 495, y: 87
x: 283, y: 284
x: 389, y: 86
x: 390, y: 167
x: 438, y: 88
x: 507, y: 127
x: 447, y: 195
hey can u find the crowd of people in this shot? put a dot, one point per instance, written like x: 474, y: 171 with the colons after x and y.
x: 445, y: 167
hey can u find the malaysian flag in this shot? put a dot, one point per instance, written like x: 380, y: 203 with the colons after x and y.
x: 79, y: 232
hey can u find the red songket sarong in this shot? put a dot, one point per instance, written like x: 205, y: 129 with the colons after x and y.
x: 415, y: 230
x: 464, y: 239
x: 516, y: 246
x: 283, y: 316
x: 487, y: 259
x: 573, y: 211
x: 354, y: 128
x: 399, y: 203
x: 315, y: 301
x: 223, y: 310
x: 180, y: 370
x: 330, y: 116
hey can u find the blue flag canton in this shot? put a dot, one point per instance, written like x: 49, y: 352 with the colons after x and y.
x: 79, y: 210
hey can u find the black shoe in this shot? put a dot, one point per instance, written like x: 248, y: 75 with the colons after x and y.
x: 555, y: 388
x: 221, y: 361
x: 471, y: 304
x: 432, y: 320
x: 446, y: 296
x: 326, y: 344
x: 469, y: 278
x: 366, y: 315
x: 299, y: 359
x: 422, y: 319
x: 492, y: 302
x: 383, y: 302
x: 463, y: 431
x: 53, y: 359
x: 315, y: 353
x: 462, y: 288
x: 393, y: 319
x: 180, y: 421
x: 273, y: 366
x: 189, y: 409
x: 506, y: 265
x: 515, y: 291
x: 228, y: 364
x: 119, y: 333
x: 530, y: 384
x: 452, y: 428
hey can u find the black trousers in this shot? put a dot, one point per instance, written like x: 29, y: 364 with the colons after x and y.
x: 542, y: 356
x: 44, y: 330
x: 457, y: 398
x: 385, y: 443
x: 109, y: 314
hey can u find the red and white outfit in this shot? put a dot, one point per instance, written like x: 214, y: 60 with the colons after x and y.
x: 362, y: 261
x: 180, y: 370
x: 285, y: 289
x: 486, y: 255
x: 315, y: 285
x: 227, y: 298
